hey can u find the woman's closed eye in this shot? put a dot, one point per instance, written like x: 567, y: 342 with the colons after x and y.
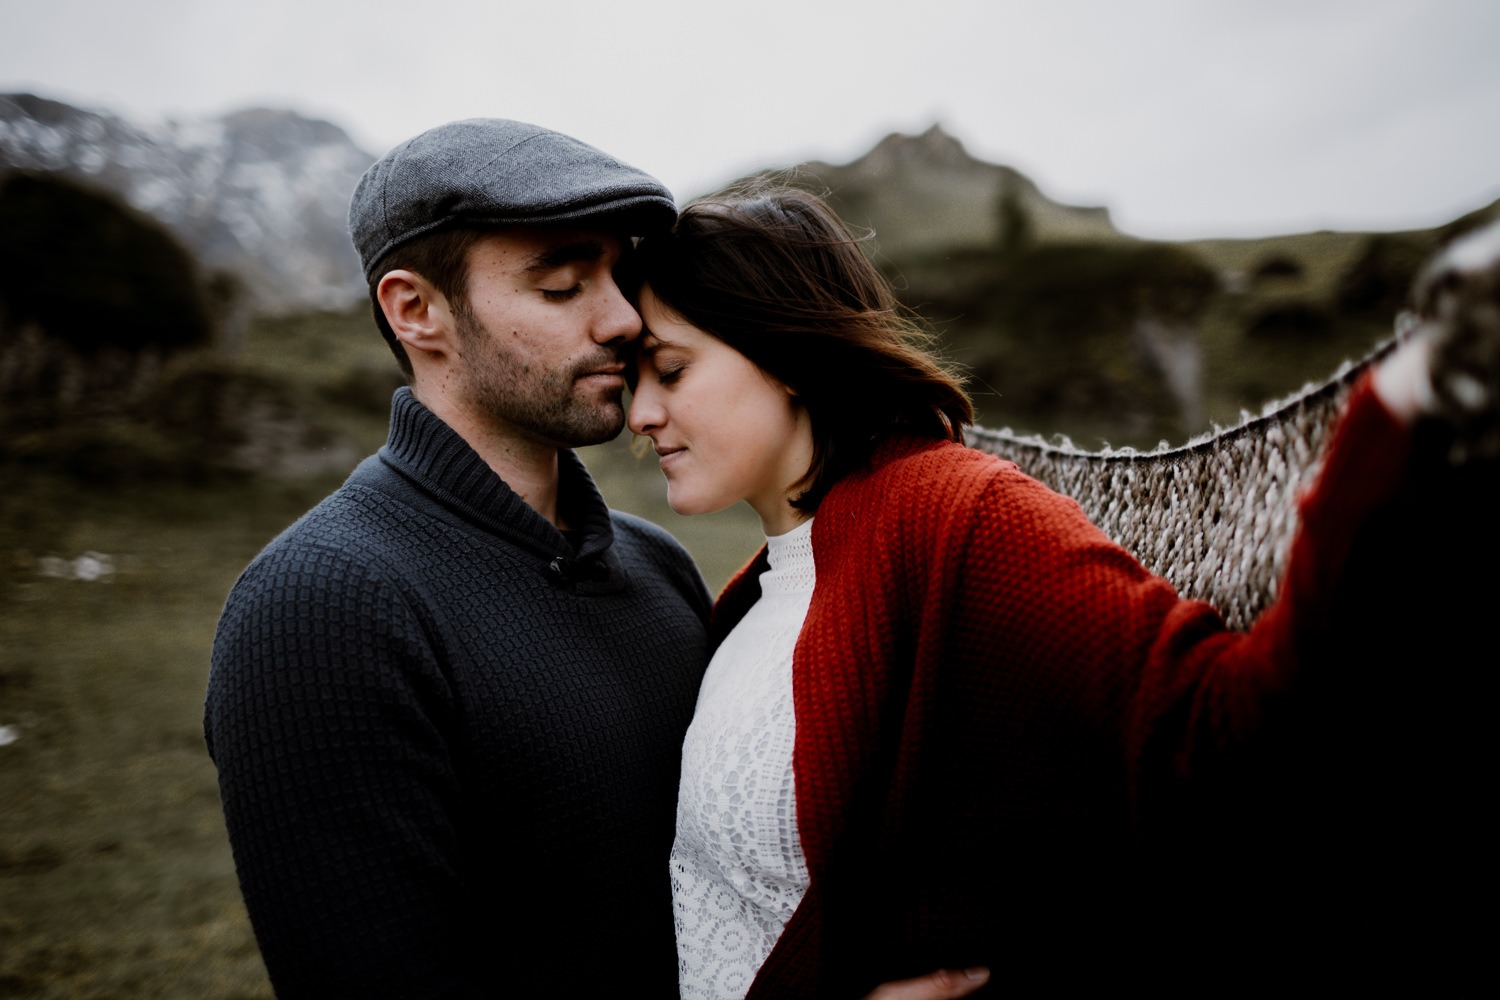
x: 670, y: 372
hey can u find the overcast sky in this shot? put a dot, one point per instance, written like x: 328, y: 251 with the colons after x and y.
x: 1183, y: 117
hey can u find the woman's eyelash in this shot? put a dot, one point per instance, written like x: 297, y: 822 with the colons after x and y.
x: 562, y: 294
x: 670, y: 373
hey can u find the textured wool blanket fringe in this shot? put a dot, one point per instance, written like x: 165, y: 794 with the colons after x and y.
x: 1216, y: 515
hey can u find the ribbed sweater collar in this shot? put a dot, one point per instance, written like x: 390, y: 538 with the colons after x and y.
x: 425, y: 450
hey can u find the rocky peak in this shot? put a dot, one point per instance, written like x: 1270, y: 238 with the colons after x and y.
x: 925, y: 193
x: 933, y: 147
x: 259, y: 195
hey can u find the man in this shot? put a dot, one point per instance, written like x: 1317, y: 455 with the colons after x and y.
x: 447, y: 705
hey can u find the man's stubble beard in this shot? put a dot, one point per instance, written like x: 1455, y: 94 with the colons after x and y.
x: 515, y: 394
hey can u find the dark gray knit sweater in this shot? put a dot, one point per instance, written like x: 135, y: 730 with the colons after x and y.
x: 448, y: 740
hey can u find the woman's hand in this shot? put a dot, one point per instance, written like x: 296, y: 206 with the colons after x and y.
x: 944, y: 984
x: 1448, y: 368
x: 1403, y: 381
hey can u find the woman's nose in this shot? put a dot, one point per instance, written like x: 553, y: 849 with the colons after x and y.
x: 645, y: 412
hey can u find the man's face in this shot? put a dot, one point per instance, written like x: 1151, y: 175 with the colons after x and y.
x: 542, y: 334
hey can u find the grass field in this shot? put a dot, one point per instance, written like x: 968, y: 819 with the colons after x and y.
x: 115, y: 875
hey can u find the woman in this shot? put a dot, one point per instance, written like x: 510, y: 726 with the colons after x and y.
x: 946, y: 717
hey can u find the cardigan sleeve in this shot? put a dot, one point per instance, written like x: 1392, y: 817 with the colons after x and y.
x: 324, y: 717
x: 1212, y: 706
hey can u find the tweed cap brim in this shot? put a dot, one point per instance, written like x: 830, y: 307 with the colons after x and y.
x: 496, y: 172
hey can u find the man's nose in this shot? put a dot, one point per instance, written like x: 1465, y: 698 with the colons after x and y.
x: 618, y: 319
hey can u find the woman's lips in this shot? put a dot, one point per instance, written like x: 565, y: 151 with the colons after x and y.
x: 666, y: 455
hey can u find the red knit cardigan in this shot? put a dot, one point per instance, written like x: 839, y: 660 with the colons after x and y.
x: 993, y: 701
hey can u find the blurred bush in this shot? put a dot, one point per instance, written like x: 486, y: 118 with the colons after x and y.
x: 94, y: 298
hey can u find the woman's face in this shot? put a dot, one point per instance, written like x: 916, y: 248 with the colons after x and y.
x: 724, y: 429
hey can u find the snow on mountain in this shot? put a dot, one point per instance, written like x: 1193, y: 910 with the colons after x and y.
x: 260, y: 195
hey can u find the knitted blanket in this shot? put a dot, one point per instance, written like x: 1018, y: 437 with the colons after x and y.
x: 1215, y: 516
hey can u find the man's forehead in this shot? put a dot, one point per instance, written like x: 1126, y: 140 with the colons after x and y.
x: 557, y: 244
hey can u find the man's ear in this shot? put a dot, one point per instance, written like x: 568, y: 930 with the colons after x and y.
x: 418, y: 313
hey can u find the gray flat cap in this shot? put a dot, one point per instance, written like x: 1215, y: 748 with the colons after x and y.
x: 495, y: 172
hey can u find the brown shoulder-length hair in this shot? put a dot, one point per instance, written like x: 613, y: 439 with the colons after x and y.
x: 775, y: 274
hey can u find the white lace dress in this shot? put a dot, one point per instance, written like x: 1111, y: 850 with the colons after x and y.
x: 737, y: 865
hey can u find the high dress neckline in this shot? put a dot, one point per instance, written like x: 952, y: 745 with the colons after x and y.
x: 789, y: 557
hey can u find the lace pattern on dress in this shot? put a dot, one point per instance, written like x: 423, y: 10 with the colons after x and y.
x: 737, y: 865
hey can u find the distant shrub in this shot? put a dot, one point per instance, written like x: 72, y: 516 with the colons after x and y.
x: 1079, y: 289
x: 93, y: 297
x: 366, y: 388
x: 93, y: 272
x: 229, y: 419
x: 1377, y: 283
x: 1061, y: 329
x: 207, y: 420
x: 1276, y: 267
x: 102, y: 451
x: 1289, y: 321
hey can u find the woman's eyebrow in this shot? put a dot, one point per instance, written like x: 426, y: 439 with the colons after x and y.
x: 553, y: 258
x: 652, y: 342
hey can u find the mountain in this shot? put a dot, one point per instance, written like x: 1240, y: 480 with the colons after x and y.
x: 1061, y: 320
x: 261, y: 195
x: 925, y: 194
x: 258, y: 195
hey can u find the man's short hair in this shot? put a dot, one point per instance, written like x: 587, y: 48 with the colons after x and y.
x: 442, y: 257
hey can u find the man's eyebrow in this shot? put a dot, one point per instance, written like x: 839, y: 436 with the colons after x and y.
x: 553, y: 258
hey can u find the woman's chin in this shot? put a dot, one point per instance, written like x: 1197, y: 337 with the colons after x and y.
x: 690, y: 506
